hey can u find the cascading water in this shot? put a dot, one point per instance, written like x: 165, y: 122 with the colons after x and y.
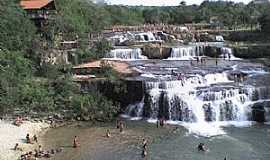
x: 126, y: 54
x: 227, y: 54
x: 200, y: 103
x: 186, y: 52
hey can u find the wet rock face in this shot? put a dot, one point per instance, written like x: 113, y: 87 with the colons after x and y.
x: 261, y: 111
x: 258, y: 113
x: 156, y: 52
x: 212, y: 51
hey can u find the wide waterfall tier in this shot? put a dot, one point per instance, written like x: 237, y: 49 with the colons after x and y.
x: 186, y: 52
x: 198, y: 99
x: 202, y: 98
x: 126, y: 54
x: 227, y: 54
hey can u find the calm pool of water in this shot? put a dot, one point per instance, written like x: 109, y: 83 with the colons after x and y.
x: 168, y: 143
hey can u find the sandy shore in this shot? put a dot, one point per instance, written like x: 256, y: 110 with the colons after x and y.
x: 11, y: 134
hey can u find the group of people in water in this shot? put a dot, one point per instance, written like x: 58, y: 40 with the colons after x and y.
x: 40, y: 153
x: 119, y: 125
x: 37, y: 153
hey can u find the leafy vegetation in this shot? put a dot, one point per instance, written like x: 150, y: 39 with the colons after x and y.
x: 12, y: 35
x: 28, y: 85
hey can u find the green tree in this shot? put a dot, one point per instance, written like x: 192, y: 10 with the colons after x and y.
x: 16, y: 29
x: 265, y: 22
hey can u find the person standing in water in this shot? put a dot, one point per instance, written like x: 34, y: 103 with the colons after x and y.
x: 35, y: 138
x: 162, y: 121
x: 108, y: 134
x: 117, y: 124
x: 76, y: 142
x: 144, y: 148
x: 202, y: 147
x: 28, y: 140
x: 145, y: 143
x: 121, y: 127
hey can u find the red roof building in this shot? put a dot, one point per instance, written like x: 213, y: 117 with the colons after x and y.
x: 39, y: 10
x: 35, y: 4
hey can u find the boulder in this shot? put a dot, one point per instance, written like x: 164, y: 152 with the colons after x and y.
x: 156, y: 51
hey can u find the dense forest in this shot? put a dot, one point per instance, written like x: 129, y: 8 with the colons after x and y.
x: 28, y: 85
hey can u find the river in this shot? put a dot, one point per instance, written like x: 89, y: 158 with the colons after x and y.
x: 213, y: 101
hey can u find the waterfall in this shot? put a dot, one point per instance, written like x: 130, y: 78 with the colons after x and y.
x: 186, y: 52
x: 135, y: 110
x: 198, y: 105
x: 126, y: 54
x: 199, y: 102
x: 227, y: 54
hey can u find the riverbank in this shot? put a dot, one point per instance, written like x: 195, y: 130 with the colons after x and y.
x: 11, y: 134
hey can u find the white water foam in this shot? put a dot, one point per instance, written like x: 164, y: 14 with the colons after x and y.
x: 125, y: 54
x: 222, y: 106
x: 186, y: 52
x: 227, y: 54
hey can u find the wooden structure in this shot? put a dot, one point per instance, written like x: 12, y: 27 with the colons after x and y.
x: 39, y: 10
